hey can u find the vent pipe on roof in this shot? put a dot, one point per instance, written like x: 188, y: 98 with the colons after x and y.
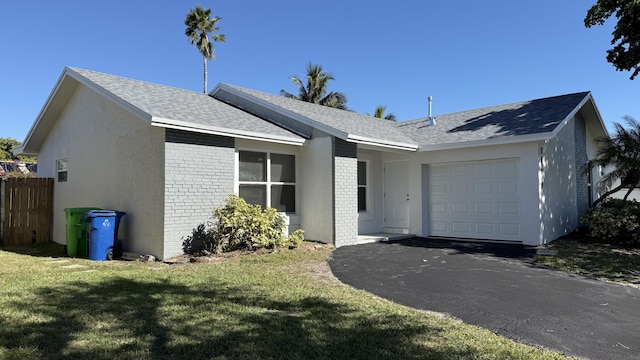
x: 432, y: 120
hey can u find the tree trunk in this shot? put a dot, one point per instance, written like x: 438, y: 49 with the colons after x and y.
x: 204, y: 63
x: 604, y: 196
x: 628, y: 192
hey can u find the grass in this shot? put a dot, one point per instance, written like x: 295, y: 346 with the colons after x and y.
x: 284, y: 305
x: 600, y: 261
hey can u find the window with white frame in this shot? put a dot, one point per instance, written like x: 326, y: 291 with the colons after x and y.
x: 61, y: 170
x: 268, y: 179
x: 363, y: 184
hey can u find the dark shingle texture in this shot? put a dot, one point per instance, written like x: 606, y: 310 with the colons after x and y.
x: 197, y: 109
x: 342, y: 120
x: 522, y: 118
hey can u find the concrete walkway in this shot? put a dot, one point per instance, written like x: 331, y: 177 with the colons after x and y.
x: 498, y: 287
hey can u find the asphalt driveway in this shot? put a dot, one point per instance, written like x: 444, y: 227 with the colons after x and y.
x: 498, y: 287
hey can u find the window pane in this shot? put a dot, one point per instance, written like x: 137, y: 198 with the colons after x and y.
x: 283, y: 198
x: 362, y: 199
x: 362, y: 173
x: 62, y: 176
x: 61, y: 165
x: 283, y: 168
x: 254, y: 194
x: 253, y: 166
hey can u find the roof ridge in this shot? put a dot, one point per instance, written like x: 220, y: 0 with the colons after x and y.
x: 80, y: 70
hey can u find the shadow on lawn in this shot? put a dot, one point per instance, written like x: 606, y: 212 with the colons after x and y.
x: 130, y: 319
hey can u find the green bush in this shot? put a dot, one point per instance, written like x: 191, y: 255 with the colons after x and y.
x: 241, y: 226
x: 614, y: 221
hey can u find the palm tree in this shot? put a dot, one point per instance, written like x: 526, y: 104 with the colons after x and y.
x: 315, y: 90
x: 199, y: 26
x: 622, y: 154
x: 379, y: 113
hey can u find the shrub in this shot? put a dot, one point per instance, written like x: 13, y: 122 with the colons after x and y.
x: 238, y: 225
x: 614, y: 221
x: 201, y: 239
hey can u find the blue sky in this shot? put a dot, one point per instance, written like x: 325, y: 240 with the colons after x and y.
x: 466, y: 54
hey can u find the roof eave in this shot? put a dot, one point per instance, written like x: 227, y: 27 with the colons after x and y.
x: 381, y: 143
x: 504, y: 140
x: 186, y: 126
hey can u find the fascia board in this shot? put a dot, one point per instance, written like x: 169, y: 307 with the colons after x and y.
x: 43, y: 111
x: 599, y: 116
x: 487, y: 142
x: 303, y: 119
x: 381, y: 143
x: 186, y: 126
x: 570, y: 116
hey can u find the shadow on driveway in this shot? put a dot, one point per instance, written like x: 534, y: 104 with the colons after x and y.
x: 499, y: 287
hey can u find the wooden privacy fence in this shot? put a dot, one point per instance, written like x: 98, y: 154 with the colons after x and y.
x: 26, y: 210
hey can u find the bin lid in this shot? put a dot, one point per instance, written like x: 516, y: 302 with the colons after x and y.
x: 99, y: 213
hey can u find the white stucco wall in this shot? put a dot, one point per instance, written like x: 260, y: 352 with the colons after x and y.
x: 115, y: 161
x: 316, y: 188
x: 558, y: 203
x: 527, y: 153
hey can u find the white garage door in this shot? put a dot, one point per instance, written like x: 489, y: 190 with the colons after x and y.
x: 477, y: 200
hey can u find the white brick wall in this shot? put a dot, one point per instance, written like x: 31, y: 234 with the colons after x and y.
x: 345, y: 193
x: 199, y: 173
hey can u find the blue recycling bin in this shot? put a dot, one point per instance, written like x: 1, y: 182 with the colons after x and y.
x: 102, y: 233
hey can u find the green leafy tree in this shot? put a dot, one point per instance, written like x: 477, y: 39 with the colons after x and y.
x: 380, y: 113
x: 199, y: 25
x: 315, y: 89
x: 625, y: 54
x: 621, y: 153
x: 6, y: 151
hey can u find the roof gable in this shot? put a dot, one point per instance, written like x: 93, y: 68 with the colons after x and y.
x: 521, y: 121
x: 160, y: 105
x: 343, y: 124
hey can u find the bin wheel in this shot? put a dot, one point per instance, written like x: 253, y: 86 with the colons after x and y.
x: 110, y: 254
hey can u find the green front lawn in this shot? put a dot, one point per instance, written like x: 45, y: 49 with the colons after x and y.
x: 284, y: 305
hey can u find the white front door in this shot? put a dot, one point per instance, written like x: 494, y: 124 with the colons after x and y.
x: 396, y: 194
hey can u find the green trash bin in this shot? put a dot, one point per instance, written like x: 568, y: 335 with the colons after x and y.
x: 77, y: 231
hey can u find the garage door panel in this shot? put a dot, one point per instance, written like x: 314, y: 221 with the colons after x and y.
x: 460, y: 228
x: 485, y: 228
x: 459, y: 188
x: 475, y: 200
x: 461, y: 169
x: 439, y: 189
x: 459, y: 208
x: 508, y: 209
x: 508, y: 167
x: 482, y: 188
x: 439, y: 226
x: 484, y: 209
x: 439, y: 208
x: 510, y: 230
x: 510, y: 187
x: 480, y: 169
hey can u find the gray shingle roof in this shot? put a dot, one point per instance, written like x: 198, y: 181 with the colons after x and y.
x: 341, y: 120
x: 522, y: 118
x: 197, y: 109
